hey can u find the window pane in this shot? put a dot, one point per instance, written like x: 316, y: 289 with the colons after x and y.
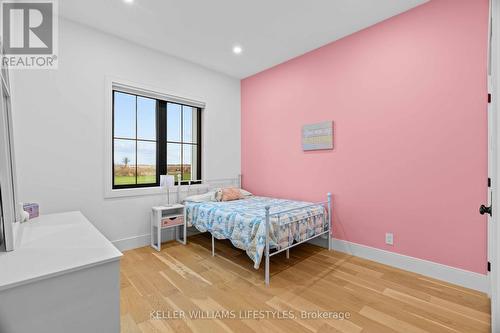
x: 124, y: 115
x: 189, y: 124
x: 124, y: 162
x: 173, y: 122
x: 189, y: 162
x: 146, y: 118
x: 146, y: 162
x: 173, y: 159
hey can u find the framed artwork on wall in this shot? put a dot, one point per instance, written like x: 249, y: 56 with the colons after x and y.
x: 318, y: 136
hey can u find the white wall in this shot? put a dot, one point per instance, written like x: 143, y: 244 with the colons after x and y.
x: 59, y: 126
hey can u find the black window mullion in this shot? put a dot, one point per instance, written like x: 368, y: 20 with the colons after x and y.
x: 182, y: 141
x: 198, y: 141
x: 145, y: 140
x: 162, y: 138
x: 136, y: 140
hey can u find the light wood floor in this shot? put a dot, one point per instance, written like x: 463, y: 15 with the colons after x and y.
x: 379, y: 298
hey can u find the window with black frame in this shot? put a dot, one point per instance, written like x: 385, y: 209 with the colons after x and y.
x: 152, y: 137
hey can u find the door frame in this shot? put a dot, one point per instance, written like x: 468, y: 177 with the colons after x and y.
x: 8, y: 180
x: 494, y: 161
x: 7, y: 172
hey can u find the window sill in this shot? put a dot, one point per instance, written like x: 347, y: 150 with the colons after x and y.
x: 150, y: 191
x: 134, y: 192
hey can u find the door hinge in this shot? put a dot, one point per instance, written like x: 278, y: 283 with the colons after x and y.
x: 489, y: 98
x: 489, y: 182
x: 489, y: 266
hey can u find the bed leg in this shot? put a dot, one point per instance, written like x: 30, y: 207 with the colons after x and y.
x: 329, y: 221
x: 213, y: 246
x: 288, y: 253
x: 267, y: 246
x: 267, y: 271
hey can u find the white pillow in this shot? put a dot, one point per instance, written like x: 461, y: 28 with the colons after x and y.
x: 205, y: 197
x: 245, y: 193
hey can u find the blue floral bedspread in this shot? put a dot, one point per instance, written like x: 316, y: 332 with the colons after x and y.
x: 243, y: 222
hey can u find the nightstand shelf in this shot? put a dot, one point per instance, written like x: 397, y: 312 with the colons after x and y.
x: 166, y: 217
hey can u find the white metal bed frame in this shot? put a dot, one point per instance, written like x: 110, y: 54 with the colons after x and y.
x: 201, y: 185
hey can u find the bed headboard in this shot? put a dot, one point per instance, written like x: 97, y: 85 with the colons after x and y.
x: 201, y: 186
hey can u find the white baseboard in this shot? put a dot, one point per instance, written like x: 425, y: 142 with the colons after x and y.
x: 135, y: 242
x: 131, y: 243
x: 442, y: 272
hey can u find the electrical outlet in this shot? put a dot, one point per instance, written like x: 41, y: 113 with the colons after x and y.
x: 389, y: 238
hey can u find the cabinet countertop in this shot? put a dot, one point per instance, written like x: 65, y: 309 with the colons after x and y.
x: 54, y: 244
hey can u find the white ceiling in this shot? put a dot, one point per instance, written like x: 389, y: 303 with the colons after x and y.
x: 204, y: 31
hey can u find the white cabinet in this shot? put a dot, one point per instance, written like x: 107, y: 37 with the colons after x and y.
x: 64, y: 276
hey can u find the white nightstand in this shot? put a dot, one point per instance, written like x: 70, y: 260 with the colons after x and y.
x: 166, y: 217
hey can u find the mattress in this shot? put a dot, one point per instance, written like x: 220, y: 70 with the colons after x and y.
x: 243, y: 222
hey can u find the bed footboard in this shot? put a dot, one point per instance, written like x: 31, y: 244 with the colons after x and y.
x: 326, y: 230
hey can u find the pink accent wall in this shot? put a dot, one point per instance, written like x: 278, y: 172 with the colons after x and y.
x: 408, y: 99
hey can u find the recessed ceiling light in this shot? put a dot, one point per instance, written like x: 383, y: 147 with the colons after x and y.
x: 237, y: 49
x: 128, y: 1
